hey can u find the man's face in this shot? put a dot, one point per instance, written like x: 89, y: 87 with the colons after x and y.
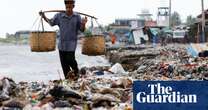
x: 69, y: 5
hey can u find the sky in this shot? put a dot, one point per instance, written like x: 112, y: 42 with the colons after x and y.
x: 16, y: 15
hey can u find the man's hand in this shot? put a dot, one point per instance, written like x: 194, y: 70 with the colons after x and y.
x: 84, y: 20
x: 42, y: 14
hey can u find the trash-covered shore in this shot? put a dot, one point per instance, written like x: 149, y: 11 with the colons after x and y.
x: 96, y: 89
x: 105, y: 87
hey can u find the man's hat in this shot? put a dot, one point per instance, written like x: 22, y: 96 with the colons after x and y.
x: 68, y: 1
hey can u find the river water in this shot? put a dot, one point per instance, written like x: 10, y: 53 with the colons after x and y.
x: 20, y: 64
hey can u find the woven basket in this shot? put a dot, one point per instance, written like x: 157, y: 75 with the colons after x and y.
x: 93, y: 45
x: 43, y: 41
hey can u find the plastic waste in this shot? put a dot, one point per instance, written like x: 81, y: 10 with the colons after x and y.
x: 34, y: 100
x: 127, y: 107
x: 99, y: 73
x: 61, y: 92
x: 86, y: 106
x: 118, y: 69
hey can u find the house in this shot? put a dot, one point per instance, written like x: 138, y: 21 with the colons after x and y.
x: 121, y: 32
x: 133, y: 22
x: 199, y: 25
x: 121, y: 28
x: 150, y: 23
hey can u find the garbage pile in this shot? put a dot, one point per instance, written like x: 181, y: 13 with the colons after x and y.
x: 105, y: 88
x: 162, y: 63
x: 97, y: 89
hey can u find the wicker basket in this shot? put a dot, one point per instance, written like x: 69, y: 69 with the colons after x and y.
x: 43, y: 41
x: 93, y: 45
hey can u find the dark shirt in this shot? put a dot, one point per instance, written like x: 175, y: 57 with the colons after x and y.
x: 162, y: 34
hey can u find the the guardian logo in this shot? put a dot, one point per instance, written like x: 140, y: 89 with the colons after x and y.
x: 164, y: 94
x: 170, y: 95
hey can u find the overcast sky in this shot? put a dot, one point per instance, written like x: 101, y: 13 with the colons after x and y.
x: 21, y: 14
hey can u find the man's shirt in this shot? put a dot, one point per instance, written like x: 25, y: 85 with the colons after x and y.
x: 68, y: 27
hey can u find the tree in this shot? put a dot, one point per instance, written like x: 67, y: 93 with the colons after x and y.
x: 175, y: 19
x: 190, y: 20
x: 107, y: 27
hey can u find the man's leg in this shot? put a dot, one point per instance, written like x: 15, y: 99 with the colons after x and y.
x: 64, y: 62
x: 72, y: 62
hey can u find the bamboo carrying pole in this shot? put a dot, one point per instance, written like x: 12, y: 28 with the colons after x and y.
x: 94, y: 45
x: 65, y: 11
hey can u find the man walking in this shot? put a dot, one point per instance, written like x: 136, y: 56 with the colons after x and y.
x: 69, y: 23
x: 162, y: 36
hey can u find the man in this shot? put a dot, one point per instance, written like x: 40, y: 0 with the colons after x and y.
x: 113, y: 37
x: 162, y: 36
x: 69, y: 24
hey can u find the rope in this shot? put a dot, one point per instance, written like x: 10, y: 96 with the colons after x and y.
x: 42, y: 24
x: 99, y: 26
x: 102, y: 29
x: 91, y: 27
x: 34, y: 22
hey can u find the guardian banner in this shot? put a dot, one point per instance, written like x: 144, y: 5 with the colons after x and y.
x: 170, y: 95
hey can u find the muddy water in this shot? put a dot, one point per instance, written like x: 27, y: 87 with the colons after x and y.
x: 20, y: 64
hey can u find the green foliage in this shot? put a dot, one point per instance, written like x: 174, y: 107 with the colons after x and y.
x: 107, y: 28
x: 14, y: 40
x: 4, y: 40
x: 87, y: 33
